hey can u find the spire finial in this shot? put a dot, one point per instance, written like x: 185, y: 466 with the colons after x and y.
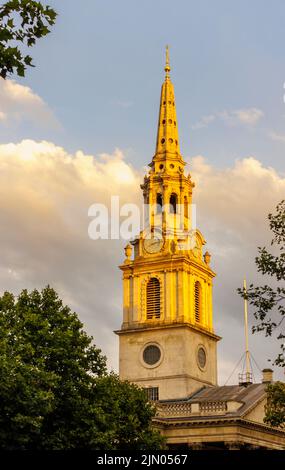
x: 167, y: 66
x: 167, y: 141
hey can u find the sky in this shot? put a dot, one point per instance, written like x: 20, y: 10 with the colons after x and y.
x: 81, y: 126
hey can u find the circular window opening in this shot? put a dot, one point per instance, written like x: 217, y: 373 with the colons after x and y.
x: 171, y: 166
x: 163, y: 122
x: 164, y: 102
x: 170, y: 141
x: 170, y: 121
x: 202, y: 357
x: 151, y: 354
x: 174, y: 123
x: 176, y: 142
x: 162, y: 141
x: 161, y: 167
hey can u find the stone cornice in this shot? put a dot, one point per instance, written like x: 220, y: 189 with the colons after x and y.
x: 144, y: 327
x: 177, y: 262
x: 216, y: 421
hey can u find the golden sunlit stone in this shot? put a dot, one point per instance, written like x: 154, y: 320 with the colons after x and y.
x: 168, y: 284
x: 167, y: 341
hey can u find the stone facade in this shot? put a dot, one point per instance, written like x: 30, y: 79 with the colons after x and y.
x: 167, y: 340
x: 178, y: 373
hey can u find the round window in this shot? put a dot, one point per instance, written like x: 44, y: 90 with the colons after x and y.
x: 151, y: 354
x: 202, y: 357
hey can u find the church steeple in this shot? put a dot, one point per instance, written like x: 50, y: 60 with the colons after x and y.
x: 167, y: 343
x: 167, y: 142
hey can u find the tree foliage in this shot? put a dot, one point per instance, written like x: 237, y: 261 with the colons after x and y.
x: 55, y: 393
x: 124, y: 419
x: 269, y: 308
x: 22, y: 23
x: 269, y: 301
x: 275, y: 407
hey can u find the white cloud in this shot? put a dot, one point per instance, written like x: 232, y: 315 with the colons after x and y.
x: 277, y: 137
x: 45, y: 193
x: 246, y: 117
x: 232, y: 208
x: 19, y: 103
x: 235, y: 193
x: 19, y: 93
x: 204, y: 121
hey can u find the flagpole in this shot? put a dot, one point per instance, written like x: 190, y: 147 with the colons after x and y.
x: 247, y: 356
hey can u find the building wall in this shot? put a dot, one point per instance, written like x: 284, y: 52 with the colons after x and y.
x: 257, y: 413
x: 178, y: 373
x: 232, y: 435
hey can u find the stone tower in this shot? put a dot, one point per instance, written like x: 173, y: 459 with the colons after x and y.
x: 167, y: 342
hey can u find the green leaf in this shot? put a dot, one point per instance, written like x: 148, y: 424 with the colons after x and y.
x: 35, y: 19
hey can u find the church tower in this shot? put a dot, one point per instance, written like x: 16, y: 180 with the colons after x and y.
x: 167, y: 343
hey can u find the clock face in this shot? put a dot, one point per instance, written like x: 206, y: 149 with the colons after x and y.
x: 153, y: 244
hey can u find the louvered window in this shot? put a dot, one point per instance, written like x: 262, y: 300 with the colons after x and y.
x: 197, y: 301
x: 185, y: 207
x: 153, y: 299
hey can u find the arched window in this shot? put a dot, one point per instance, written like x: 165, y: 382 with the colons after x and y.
x: 173, y: 203
x: 159, y: 203
x: 198, y: 301
x: 153, y: 299
x: 185, y: 207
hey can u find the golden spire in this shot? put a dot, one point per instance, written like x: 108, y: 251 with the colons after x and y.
x: 167, y: 66
x: 167, y: 142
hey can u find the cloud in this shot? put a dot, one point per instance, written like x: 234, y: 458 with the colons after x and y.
x: 236, y: 191
x: 232, y: 208
x: 246, y: 117
x: 276, y: 137
x: 19, y: 103
x: 204, y: 121
x: 45, y: 193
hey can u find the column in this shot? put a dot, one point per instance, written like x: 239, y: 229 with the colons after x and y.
x: 211, y: 305
x: 151, y: 203
x: 196, y: 445
x: 234, y: 445
x: 165, y: 197
x: 191, y: 298
x: 136, y: 303
x: 175, y: 295
x: 167, y: 296
x: 180, y: 295
x: 126, y: 299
